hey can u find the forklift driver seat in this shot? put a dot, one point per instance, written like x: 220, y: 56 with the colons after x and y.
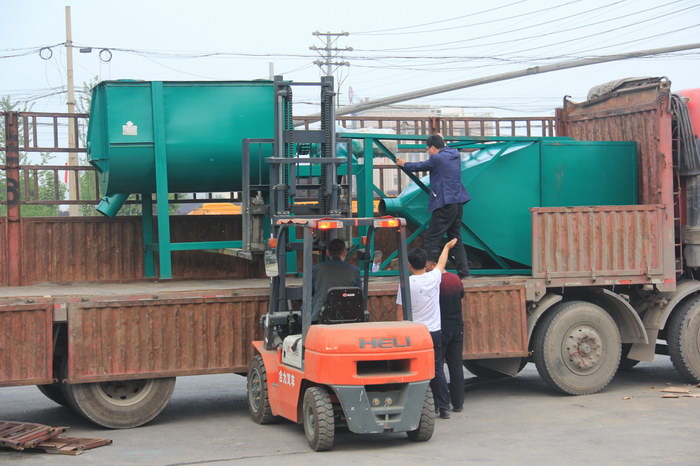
x: 342, y: 305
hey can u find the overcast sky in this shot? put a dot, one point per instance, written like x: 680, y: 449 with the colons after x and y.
x: 398, y: 46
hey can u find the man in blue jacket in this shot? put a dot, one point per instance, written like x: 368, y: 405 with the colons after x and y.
x: 447, y: 198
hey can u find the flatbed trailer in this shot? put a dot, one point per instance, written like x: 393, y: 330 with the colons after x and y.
x: 188, y: 327
x: 119, y: 337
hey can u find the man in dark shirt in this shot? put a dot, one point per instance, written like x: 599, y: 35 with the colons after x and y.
x: 332, y: 273
x: 452, y: 328
x: 447, y: 198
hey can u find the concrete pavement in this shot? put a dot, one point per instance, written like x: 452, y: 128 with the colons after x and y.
x: 512, y: 421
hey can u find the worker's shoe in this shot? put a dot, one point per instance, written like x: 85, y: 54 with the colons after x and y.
x: 444, y: 414
x: 458, y: 410
x: 464, y: 274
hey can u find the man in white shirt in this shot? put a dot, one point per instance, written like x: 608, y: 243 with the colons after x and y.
x: 425, y: 303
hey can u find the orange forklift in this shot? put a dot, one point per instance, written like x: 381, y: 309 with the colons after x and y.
x: 340, y: 369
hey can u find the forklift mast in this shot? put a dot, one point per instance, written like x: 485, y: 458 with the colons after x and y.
x: 316, y: 224
x: 279, y: 312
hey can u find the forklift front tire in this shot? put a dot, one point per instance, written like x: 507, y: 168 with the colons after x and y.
x: 319, y: 423
x: 258, y: 399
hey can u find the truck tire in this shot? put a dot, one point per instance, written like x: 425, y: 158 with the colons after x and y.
x: 319, y: 423
x: 473, y: 366
x: 625, y: 362
x: 684, y: 339
x: 120, y: 404
x: 258, y: 399
x: 53, y: 392
x: 426, y: 425
x: 577, y: 348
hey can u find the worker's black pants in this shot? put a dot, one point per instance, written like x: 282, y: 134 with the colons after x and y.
x: 439, y: 383
x: 452, y: 342
x: 447, y: 219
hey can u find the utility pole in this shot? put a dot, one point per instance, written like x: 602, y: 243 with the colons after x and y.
x: 70, y: 100
x: 329, y: 53
x: 351, y: 109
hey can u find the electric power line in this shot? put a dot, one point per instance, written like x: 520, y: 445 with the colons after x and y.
x: 379, y: 31
x: 427, y: 48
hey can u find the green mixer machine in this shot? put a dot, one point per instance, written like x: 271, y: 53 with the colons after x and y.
x: 160, y: 138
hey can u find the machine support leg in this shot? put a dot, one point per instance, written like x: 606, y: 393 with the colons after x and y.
x: 149, y: 263
x: 164, y: 246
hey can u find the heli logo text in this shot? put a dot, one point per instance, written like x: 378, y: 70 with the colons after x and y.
x: 385, y: 342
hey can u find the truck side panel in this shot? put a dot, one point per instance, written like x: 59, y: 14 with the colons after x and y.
x: 639, y: 114
x: 495, y: 323
x: 119, y: 340
x: 26, y: 344
x: 598, y: 245
x: 162, y: 338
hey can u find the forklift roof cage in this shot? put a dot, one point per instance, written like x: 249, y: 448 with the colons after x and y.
x: 280, y: 294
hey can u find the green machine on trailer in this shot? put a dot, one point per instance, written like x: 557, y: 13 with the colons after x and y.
x: 144, y: 138
x: 174, y: 137
x: 509, y: 176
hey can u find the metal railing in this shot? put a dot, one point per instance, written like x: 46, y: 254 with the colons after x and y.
x: 452, y: 126
x: 48, y: 133
x: 39, y: 184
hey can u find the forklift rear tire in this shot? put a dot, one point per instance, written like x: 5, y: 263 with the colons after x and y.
x: 319, y: 423
x: 258, y: 397
x: 426, y: 425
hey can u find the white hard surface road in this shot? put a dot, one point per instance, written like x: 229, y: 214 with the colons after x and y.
x: 516, y: 421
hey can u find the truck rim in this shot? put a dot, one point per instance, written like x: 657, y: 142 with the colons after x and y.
x: 582, y: 349
x: 125, y: 392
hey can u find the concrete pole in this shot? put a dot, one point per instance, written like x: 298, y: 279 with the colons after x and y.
x: 503, y: 77
x: 329, y: 70
x: 72, y: 127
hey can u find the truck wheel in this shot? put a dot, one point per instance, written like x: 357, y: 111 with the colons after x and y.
x: 426, y: 425
x: 258, y: 400
x: 54, y: 393
x: 577, y: 348
x: 473, y: 366
x: 319, y: 424
x: 684, y: 339
x: 120, y: 404
x: 626, y: 363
